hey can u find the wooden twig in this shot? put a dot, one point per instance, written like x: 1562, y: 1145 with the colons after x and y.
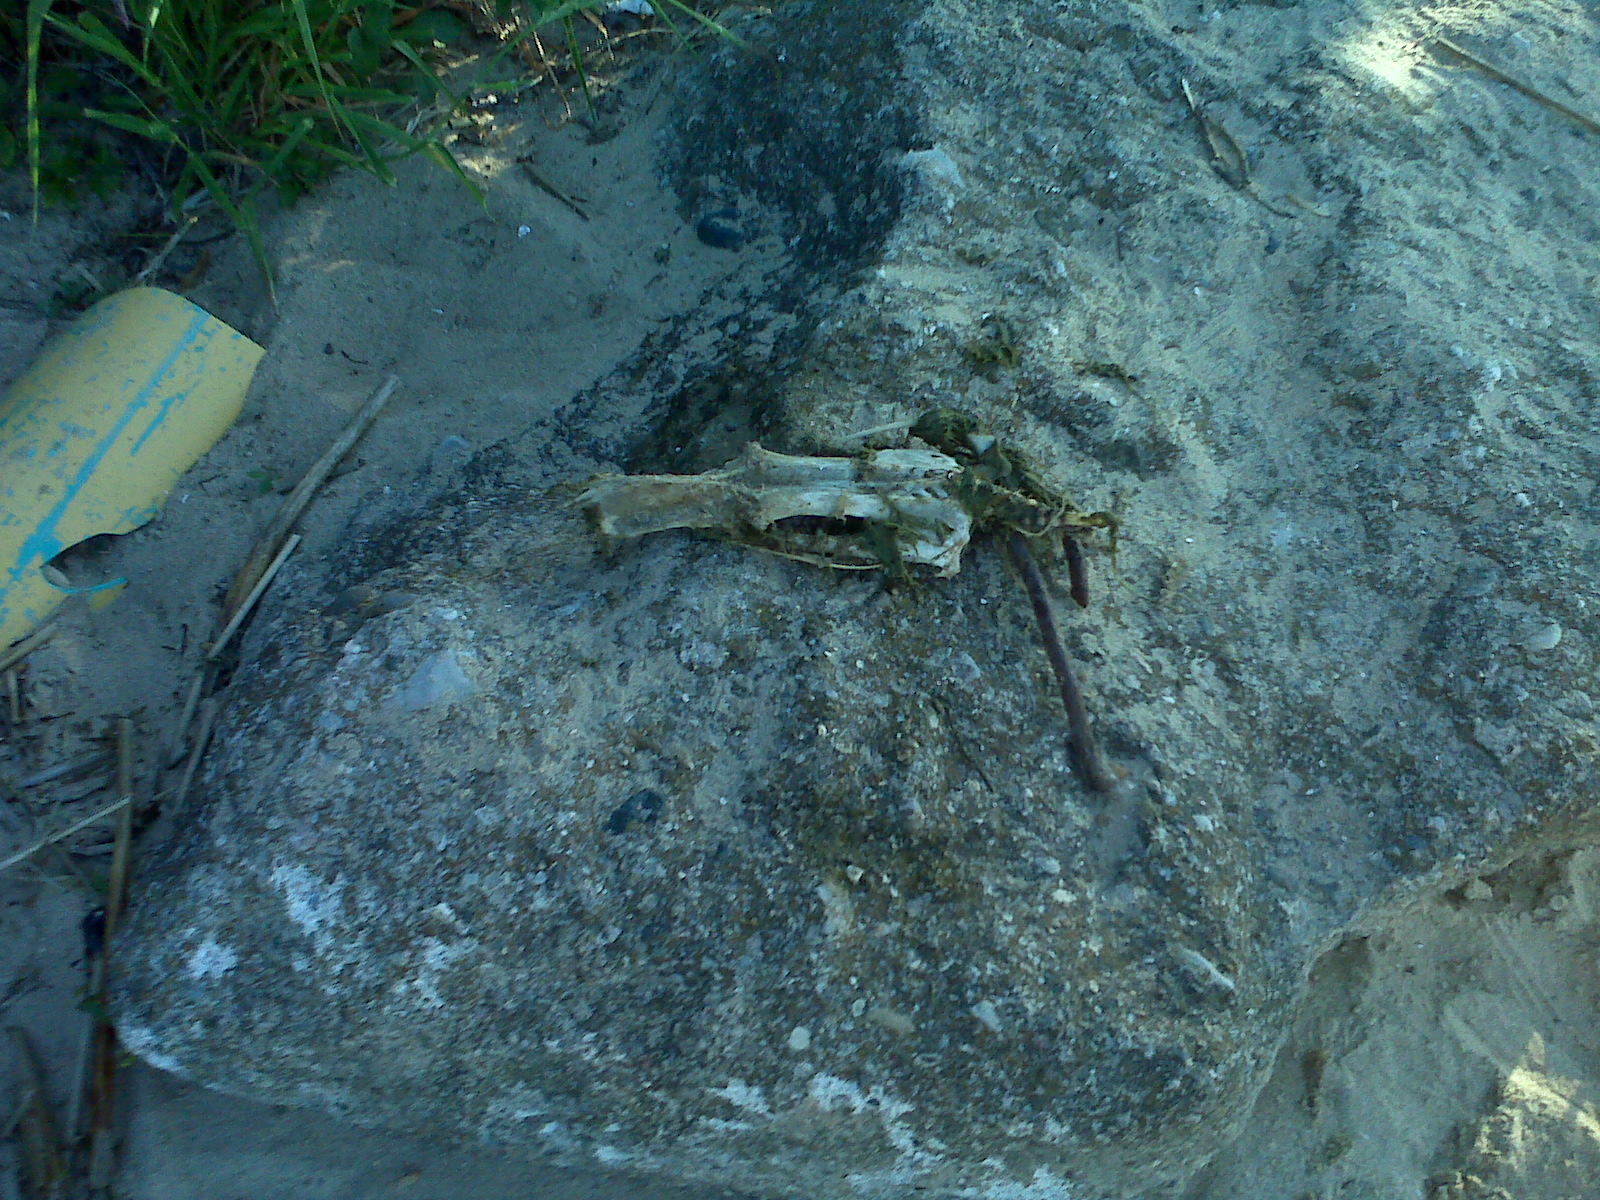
x: 1080, y: 738
x: 117, y: 886
x: 1077, y: 570
x: 177, y: 748
x: 43, y: 1160
x: 208, y: 714
x: 97, y: 1066
x: 249, y: 602
x: 1533, y: 93
x: 66, y: 772
x: 267, y: 546
x: 545, y: 185
x: 60, y: 835
x: 83, y: 1081
x: 891, y: 427
x: 27, y: 645
x: 154, y: 265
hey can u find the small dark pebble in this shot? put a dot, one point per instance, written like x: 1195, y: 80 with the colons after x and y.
x: 720, y: 229
x: 638, y: 810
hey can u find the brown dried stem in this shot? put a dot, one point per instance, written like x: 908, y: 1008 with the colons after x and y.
x: 1081, y: 742
x: 1077, y: 570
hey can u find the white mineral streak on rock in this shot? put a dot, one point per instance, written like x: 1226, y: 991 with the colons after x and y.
x: 741, y: 1095
x: 1546, y: 636
x: 313, y: 904
x: 892, y: 1020
x: 830, y: 1093
x: 437, y: 958
x: 1045, y: 1185
x: 151, y: 1047
x: 988, y: 1015
x: 211, y: 960
x: 1203, y: 969
x: 838, y: 914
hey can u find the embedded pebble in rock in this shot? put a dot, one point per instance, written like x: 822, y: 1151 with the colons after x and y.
x: 1546, y: 637
x: 721, y: 229
x: 938, y: 167
x: 718, y: 867
x: 438, y: 680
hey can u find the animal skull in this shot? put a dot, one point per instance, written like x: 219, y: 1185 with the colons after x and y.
x: 879, y: 509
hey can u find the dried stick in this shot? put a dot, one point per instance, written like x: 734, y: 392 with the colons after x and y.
x: 546, y: 186
x: 266, y: 547
x: 1080, y: 738
x: 28, y: 645
x: 1077, y: 571
x: 62, y: 834
x: 154, y: 265
x: 891, y: 427
x: 117, y: 887
x: 176, y: 747
x: 97, y: 1073
x: 249, y: 603
x: 208, y: 714
x: 66, y: 772
x: 43, y: 1161
x: 1533, y: 93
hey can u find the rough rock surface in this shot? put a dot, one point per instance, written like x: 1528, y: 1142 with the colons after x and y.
x: 697, y: 862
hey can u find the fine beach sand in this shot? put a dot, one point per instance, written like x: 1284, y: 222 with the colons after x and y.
x: 1450, y: 1050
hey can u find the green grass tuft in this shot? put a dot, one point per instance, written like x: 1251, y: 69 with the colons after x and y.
x: 235, y: 98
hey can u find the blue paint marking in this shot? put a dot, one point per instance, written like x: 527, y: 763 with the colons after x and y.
x: 44, y: 544
x: 172, y: 401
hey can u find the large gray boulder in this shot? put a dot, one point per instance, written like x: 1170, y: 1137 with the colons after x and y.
x: 687, y: 860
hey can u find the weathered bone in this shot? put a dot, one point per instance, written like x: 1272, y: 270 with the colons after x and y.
x: 906, y: 493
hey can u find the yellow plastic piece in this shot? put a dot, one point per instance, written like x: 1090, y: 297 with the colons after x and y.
x: 98, y: 430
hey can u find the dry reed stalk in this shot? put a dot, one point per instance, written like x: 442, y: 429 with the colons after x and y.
x: 1527, y: 89
x: 28, y: 645
x: 208, y: 714
x: 266, y: 547
x: 62, y: 834
x: 249, y: 602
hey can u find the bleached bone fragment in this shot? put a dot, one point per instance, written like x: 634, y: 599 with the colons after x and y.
x: 760, y: 499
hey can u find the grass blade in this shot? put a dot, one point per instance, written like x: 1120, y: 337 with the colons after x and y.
x: 577, y: 63
x: 436, y: 151
x: 309, y: 41
x: 38, y: 10
x: 689, y: 10
x: 243, y: 216
x: 156, y: 131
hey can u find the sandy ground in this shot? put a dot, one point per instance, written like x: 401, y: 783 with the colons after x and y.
x: 1450, y: 1053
